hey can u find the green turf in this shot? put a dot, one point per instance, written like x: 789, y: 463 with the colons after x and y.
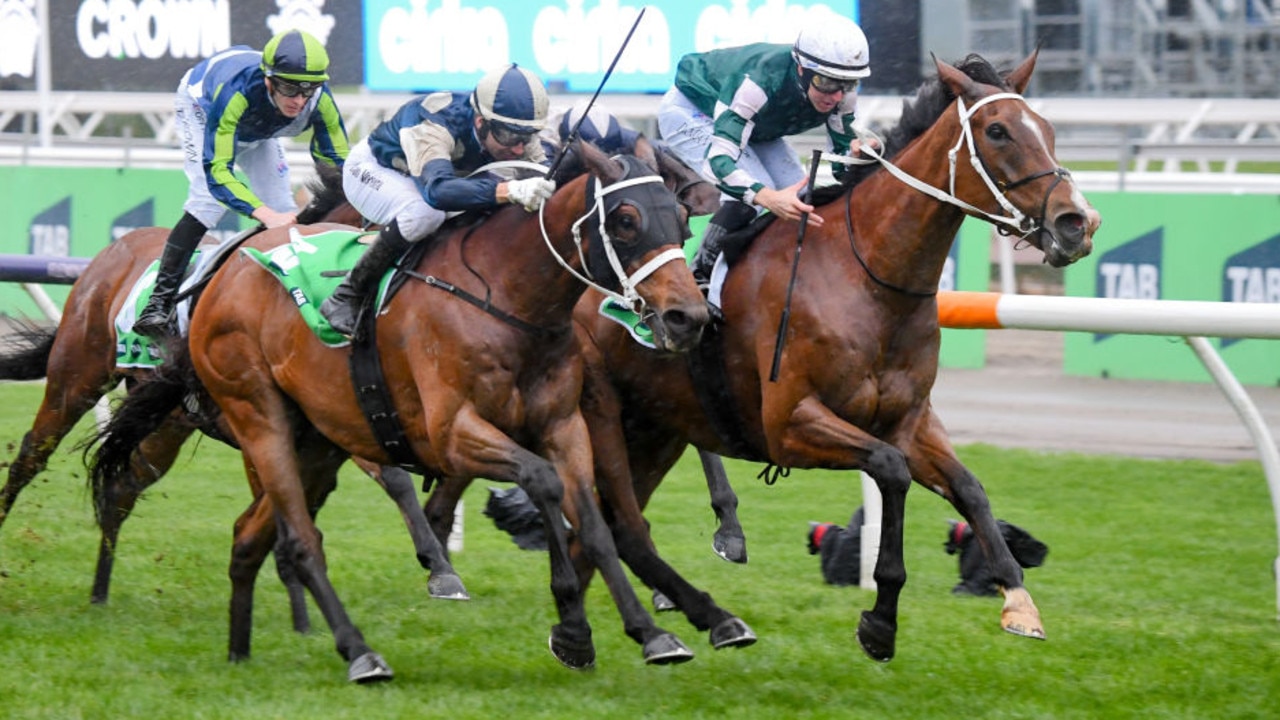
x: 1157, y: 595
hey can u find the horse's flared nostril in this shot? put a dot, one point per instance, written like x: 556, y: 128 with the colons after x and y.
x: 684, y: 326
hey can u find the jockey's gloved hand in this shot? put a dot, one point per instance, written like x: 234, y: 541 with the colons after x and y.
x: 530, y: 193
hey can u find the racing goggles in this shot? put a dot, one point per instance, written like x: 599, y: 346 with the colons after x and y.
x: 830, y: 86
x: 506, y: 137
x: 291, y: 89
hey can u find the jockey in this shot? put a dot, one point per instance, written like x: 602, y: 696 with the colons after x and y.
x: 411, y: 170
x: 730, y: 111
x: 600, y: 128
x: 230, y: 110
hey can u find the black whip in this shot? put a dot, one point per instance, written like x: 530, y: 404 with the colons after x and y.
x: 795, y: 265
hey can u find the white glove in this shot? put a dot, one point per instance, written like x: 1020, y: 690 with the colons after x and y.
x: 530, y: 193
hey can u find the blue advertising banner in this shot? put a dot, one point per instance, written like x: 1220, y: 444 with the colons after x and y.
x: 421, y: 45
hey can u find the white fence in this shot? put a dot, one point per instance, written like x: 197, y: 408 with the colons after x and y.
x: 1212, y: 136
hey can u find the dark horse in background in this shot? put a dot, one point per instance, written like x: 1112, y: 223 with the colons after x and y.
x: 860, y: 352
x: 78, y: 360
x: 487, y: 387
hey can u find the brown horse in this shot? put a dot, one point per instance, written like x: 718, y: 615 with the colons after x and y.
x: 78, y: 360
x: 699, y: 197
x: 484, y: 388
x: 860, y: 353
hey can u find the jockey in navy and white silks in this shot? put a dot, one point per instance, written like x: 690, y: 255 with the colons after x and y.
x: 411, y: 170
x: 730, y: 111
x: 230, y: 111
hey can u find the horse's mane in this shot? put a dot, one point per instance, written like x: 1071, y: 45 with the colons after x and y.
x: 918, y: 115
x: 326, y: 194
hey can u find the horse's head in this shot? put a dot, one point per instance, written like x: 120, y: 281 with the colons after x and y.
x: 1011, y: 151
x: 634, y: 230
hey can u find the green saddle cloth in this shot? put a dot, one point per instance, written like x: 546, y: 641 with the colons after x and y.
x: 134, y: 350
x: 310, y: 268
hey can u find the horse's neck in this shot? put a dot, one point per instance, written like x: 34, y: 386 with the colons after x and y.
x: 543, y: 292
x: 904, y: 234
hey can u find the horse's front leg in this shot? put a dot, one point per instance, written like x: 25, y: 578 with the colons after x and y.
x: 934, y: 464
x: 729, y: 541
x: 808, y: 434
x: 568, y: 445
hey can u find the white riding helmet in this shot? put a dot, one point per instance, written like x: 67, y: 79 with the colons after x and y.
x: 835, y: 47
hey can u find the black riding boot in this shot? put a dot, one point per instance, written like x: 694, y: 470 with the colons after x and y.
x: 733, y: 215
x: 157, y: 318
x: 343, y: 307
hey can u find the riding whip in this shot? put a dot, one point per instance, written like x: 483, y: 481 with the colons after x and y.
x: 573, y: 134
x: 795, y: 265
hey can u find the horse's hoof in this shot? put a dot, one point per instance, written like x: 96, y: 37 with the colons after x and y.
x: 446, y: 587
x: 732, y: 633
x: 666, y: 649
x: 575, y: 654
x: 369, y: 668
x: 877, y: 637
x: 1020, y: 616
x: 662, y: 603
x: 730, y: 547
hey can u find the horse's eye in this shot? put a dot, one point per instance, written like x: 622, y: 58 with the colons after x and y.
x: 996, y: 131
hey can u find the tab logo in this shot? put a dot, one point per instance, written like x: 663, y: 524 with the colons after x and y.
x: 1252, y: 276
x: 140, y: 216
x: 1131, y: 271
x: 50, y: 232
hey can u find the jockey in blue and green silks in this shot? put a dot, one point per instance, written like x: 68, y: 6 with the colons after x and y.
x: 230, y: 111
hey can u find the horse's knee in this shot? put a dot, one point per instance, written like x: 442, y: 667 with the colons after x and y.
x: 888, y: 466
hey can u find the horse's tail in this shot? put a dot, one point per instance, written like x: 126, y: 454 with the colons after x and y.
x: 109, y: 452
x: 25, y: 350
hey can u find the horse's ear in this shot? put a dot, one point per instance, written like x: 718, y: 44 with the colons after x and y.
x: 961, y: 85
x: 599, y: 164
x: 1020, y: 77
x: 647, y: 154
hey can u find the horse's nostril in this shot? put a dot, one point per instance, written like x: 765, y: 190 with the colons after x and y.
x: 1070, y: 226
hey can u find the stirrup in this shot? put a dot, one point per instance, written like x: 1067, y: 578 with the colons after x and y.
x: 156, y: 325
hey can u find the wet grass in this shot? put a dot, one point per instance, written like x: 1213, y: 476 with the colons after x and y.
x: 1157, y: 594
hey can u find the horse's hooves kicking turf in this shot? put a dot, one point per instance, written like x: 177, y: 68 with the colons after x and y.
x: 732, y: 633
x: 877, y: 637
x: 369, y: 668
x: 573, y: 653
x: 730, y: 547
x: 662, y: 603
x: 447, y: 587
x: 666, y: 649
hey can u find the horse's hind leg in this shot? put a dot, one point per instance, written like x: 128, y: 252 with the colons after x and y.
x: 67, y: 397
x: 729, y: 541
x: 153, y: 459
x: 443, y: 582
x: 441, y: 505
x: 934, y: 464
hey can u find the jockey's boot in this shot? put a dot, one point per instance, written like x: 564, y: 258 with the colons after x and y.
x: 343, y: 307
x: 157, y: 319
x: 733, y: 215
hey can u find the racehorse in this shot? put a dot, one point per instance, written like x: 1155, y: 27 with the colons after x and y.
x: 488, y: 387
x: 700, y: 197
x: 850, y: 386
x: 79, y: 360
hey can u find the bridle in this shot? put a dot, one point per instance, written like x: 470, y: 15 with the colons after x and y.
x: 1015, y: 223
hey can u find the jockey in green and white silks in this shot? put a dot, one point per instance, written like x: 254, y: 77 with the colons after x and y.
x: 730, y: 111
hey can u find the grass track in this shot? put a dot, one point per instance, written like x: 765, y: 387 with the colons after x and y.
x: 1157, y: 594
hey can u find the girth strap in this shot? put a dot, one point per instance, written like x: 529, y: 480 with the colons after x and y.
x: 374, y: 397
x: 711, y: 385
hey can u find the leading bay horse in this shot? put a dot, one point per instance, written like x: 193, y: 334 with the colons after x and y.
x: 78, y: 359
x: 488, y: 387
x: 860, y: 353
